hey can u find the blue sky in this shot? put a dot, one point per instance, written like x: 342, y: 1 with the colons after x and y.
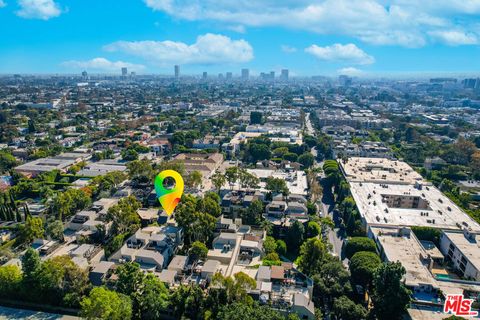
x: 328, y: 37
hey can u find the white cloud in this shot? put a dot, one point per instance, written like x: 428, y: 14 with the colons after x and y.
x: 239, y: 28
x: 2, y: 4
x: 381, y: 22
x: 288, y: 49
x: 350, y: 71
x: 349, y: 53
x: 102, y: 65
x: 208, y: 49
x: 38, y: 9
x: 455, y: 38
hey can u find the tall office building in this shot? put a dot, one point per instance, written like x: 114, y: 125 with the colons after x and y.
x: 204, y: 75
x: 177, y: 71
x: 84, y: 75
x: 245, y: 74
x: 124, y: 72
x: 272, y: 75
x: 229, y: 76
x: 344, y: 80
x: 220, y: 76
x: 284, y: 75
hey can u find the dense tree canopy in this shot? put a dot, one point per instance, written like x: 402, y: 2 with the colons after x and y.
x: 312, y: 253
x: 363, y: 266
x: 346, y: 309
x: 102, y: 303
x: 390, y: 297
x: 356, y: 244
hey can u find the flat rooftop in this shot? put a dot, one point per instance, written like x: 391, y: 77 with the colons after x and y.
x: 296, y: 180
x: 381, y: 170
x: 407, y: 250
x: 469, y: 248
x: 59, y: 162
x: 416, y: 313
x: 406, y: 205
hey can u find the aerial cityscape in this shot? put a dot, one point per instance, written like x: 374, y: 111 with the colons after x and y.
x: 168, y: 159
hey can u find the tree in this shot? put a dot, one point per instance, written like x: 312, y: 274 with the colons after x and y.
x: 356, y: 244
x: 269, y: 245
x: 211, y: 206
x: 464, y: 149
x: 475, y: 161
x: 310, y: 141
x: 247, y: 180
x: 306, y: 159
x: 218, y: 180
x: 30, y: 265
x: 129, y: 155
x: 231, y: 175
x: 332, y: 281
x: 7, y: 161
x: 141, y: 170
x: 332, y: 172
x: 349, y: 213
x: 194, y: 179
x: 172, y: 165
x: 290, y: 156
x: 253, y: 214
x: 105, y: 304
x: 124, y: 215
x: 271, y: 257
x: 32, y: 229
x: 281, y: 247
x: 55, y: 230
x: 428, y: 234
x: 236, y: 288
x: 346, y: 309
x: 10, y: 281
x: 255, y: 117
x: 280, y: 152
x: 212, y: 195
x: 311, y: 208
x: 390, y: 296
x: 276, y: 186
x: 198, y: 250
x: 411, y: 135
x: 58, y: 279
x: 130, y: 278
x: 108, y: 182
x: 240, y: 311
x: 197, y: 225
x: 363, y: 266
x: 187, y: 302
x: 312, y: 253
x: 256, y: 152
x: 152, y: 300
x: 67, y: 203
x: 313, y: 229
x: 295, y: 235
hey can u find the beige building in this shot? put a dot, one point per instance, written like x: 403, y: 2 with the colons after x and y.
x: 206, y: 163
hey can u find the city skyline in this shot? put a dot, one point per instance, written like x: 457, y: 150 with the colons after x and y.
x: 309, y: 38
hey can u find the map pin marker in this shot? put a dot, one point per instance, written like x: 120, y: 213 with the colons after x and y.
x: 169, y: 198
